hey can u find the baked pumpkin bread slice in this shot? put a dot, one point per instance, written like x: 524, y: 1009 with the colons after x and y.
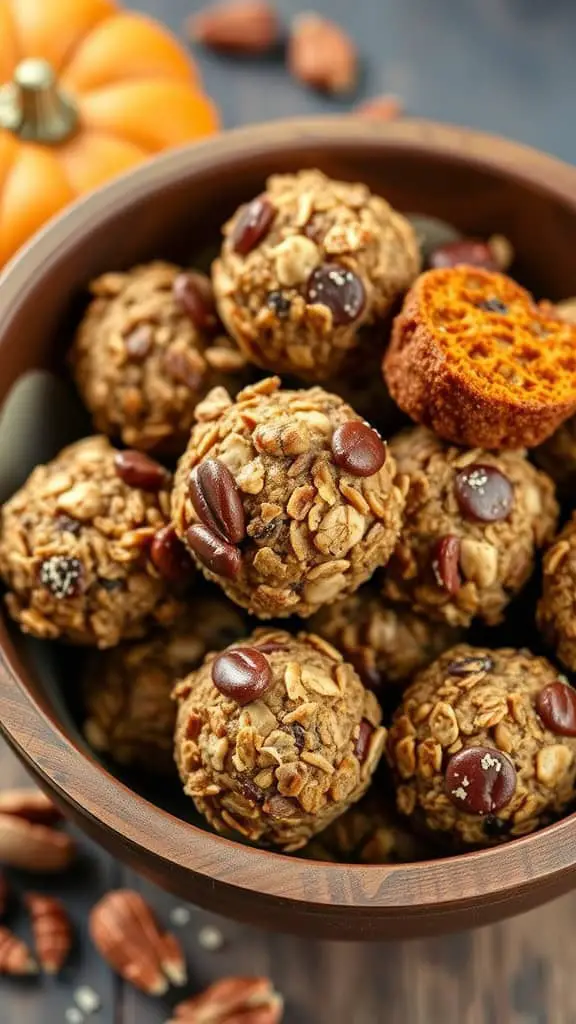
x: 474, y: 357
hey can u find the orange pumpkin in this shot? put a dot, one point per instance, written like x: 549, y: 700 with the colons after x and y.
x: 89, y: 91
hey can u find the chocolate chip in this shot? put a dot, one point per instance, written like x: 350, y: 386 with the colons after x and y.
x: 480, y: 780
x: 242, y: 674
x: 67, y: 525
x: 299, y: 734
x: 470, y: 251
x: 216, y: 500
x: 138, y: 470
x: 250, y: 790
x: 358, y: 449
x: 340, y: 290
x: 139, y: 342
x: 252, y: 225
x: 556, y: 705
x: 483, y: 493
x: 363, y: 741
x: 62, y: 576
x: 170, y: 557
x: 445, y: 561
x: 493, y: 306
x: 316, y: 228
x: 193, y: 293
x: 110, y: 585
x: 184, y: 368
x: 280, y: 304
x: 494, y: 827
x: 217, y: 555
x: 470, y: 665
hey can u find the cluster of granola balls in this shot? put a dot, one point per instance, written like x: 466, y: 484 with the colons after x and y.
x: 288, y: 605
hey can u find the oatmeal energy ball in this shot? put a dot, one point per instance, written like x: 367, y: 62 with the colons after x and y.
x: 305, y: 265
x: 285, y: 498
x: 557, y: 607
x: 147, y: 350
x: 368, y: 833
x: 483, y: 745
x: 130, y: 714
x: 473, y: 522
x: 85, y: 549
x: 276, y: 737
x: 385, y: 643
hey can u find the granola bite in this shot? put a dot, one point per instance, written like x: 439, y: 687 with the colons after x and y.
x: 557, y: 606
x: 276, y: 737
x: 557, y: 457
x: 385, y: 643
x: 473, y: 523
x: 148, y: 350
x: 285, y: 498
x: 475, y: 358
x: 371, y: 832
x: 305, y: 265
x: 86, y: 550
x: 483, y: 745
x: 130, y: 716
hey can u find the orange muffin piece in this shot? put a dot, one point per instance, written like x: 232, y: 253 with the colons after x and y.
x: 475, y: 358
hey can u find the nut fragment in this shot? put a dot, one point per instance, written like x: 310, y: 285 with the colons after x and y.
x: 34, y: 847
x: 231, y: 1000
x: 239, y: 26
x: 15, y: 957
x: 31, y: 804
x: 322, y: 55
x: 125, y: 932
x: 380, y: 108
x: 52, y: 931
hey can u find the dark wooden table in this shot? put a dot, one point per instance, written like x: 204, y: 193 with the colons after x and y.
x: 502, y: 66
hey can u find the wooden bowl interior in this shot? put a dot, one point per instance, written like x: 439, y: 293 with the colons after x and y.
x: 174, y: 210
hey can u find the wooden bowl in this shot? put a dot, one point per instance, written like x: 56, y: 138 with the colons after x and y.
x: 172, y: 207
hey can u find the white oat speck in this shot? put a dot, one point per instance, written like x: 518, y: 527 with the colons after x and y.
x: 477, y: 480
x: 460, y: 793
x: 73, y: 1016
x: 180, y: 916
x: 210, y: 939
x: 87, y: 999
x: 488, y: 761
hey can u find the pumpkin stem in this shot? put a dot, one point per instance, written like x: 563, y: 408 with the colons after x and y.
x: 33, y: 107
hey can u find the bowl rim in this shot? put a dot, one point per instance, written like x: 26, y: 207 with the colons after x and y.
x: 76, y: 777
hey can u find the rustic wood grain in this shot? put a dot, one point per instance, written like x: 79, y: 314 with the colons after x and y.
x: 520, y: 972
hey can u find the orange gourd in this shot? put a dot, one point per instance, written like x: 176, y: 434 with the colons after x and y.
x: 87, y: 91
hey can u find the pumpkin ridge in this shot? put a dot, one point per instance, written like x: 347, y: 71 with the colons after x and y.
x: 74, y: 47
x: 24, y: 47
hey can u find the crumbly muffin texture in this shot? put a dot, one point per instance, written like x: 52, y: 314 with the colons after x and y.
x: 474, y: 357
x: 147, y: 350
x: 305, y: 265
x: 371, y: 832
x: 75, y: 545
x: 130, y: 716
x: 386, y: 643
x: 483, y: 745
x: 473, y: 523
x: 276, y: 737
x: 557, y: 606
x: 285, y: 498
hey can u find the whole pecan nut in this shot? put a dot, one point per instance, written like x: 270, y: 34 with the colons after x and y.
x: 126, y: 934
x: 233, y: 1000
